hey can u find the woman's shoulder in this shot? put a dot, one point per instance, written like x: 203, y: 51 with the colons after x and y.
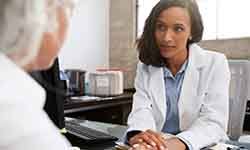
x: 215, y: 57
x: 213, y: 53
x: 19, y: 83
x: 143, y: 67
x: 208, y: 55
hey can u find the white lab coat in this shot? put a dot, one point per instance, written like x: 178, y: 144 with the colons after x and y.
x: 23, y: 123
x: 203, y: 103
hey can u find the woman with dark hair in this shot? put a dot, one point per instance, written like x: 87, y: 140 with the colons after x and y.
x: 181, y: 89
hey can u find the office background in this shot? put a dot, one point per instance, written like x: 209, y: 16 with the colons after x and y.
x: 106, y: 31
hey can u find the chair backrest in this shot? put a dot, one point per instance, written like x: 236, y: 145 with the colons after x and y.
x: 238, y: 95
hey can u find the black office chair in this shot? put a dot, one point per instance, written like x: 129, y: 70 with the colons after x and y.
x: 55, y: 92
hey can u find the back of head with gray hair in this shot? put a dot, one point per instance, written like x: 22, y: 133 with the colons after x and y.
x: 22, y: 23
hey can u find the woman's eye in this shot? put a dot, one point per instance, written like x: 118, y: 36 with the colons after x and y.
x: 179, y: 29
x: 160, y: 27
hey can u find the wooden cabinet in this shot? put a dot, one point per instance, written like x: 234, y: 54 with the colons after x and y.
x: 108, y: 109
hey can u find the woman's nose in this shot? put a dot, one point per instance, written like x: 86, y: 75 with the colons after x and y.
x: 168, y: 36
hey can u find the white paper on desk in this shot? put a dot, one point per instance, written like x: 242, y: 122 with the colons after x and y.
x: 121, y: 146
x: 222, y: 146
x: 85, y: 98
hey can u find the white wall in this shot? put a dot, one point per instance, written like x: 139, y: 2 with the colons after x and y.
x: 87, y: 44
x: 145, y: 6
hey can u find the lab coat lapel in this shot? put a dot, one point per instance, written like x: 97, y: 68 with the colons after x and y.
x: 157, y: 87
x: 190, y: 84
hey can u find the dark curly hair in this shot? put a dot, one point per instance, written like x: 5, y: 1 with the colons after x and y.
x: 149, y: 52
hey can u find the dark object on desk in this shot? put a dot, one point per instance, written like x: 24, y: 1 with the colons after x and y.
x: 208, y: 147
x: 55, y: 92
x: 241, y: 145
x: 76, y: 85
x: 88, y: 135
x: 240, y: 148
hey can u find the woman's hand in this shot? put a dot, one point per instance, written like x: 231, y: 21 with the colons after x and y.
x: 148, y: 140
x: 142, y: 146
x: 151, y: 140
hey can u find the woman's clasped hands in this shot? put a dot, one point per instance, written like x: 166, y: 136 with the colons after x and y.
x: 151, y: 140
x: 148, y: 140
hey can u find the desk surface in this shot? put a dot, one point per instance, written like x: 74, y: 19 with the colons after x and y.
x: 118, y: 131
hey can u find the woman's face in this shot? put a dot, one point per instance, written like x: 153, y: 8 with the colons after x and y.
x: 172, y: 30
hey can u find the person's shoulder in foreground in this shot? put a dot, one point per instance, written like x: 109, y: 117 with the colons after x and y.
x: 31, y: 34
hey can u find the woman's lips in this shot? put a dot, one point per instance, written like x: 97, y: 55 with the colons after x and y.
x: 164, y: 48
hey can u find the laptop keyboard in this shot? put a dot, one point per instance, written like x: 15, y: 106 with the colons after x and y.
x: 88, y: 134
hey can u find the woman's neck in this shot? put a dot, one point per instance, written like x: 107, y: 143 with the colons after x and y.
x: 174, y: 64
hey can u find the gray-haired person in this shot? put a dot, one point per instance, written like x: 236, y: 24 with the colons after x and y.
x: 31, y: 34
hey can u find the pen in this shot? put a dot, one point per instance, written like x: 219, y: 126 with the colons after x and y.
x: 208, y: 146
x: 237, y: 148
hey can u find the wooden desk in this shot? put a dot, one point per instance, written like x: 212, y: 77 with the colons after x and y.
x: 113, y: 109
